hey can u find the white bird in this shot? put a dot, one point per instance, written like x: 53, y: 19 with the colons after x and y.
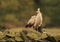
x: 36, y: 21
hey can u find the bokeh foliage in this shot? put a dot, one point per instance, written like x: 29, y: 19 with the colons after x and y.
x: 19, y: 11
x: 24, y: 35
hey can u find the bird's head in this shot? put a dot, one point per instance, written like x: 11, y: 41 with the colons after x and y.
x: 38, y: 9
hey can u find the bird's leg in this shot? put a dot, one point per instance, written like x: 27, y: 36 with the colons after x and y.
x: 35, y: 28
x: 40, y: 29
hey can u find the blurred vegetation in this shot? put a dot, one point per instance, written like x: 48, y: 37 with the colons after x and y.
x: 18, y: 12
x: 20, y: 35
x: 25, y: 35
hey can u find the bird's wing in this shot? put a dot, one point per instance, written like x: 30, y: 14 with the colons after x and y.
x: 32, y: 20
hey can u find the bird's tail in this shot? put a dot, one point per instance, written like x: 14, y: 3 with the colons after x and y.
x: 29, y: 25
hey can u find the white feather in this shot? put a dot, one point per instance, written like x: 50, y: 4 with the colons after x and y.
x: 32, y: 20
x: 38, y: 20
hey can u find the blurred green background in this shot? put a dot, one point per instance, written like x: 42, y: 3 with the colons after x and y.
x: 18, y: 12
